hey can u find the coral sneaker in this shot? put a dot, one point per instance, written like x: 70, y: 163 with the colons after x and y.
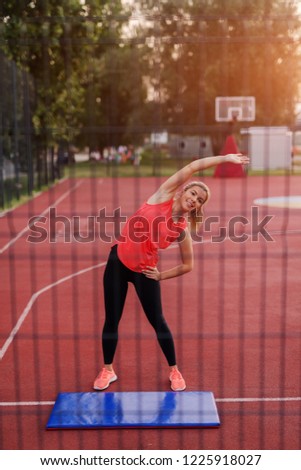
x: 177, y: 382
x: 104, y: 378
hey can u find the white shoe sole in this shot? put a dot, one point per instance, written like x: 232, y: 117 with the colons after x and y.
x: 113, y: 379
x: 177, y: 389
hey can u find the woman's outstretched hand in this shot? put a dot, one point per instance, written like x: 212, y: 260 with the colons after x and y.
x: 237, y: 158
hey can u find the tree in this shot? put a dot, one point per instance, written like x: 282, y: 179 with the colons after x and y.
x: 99, y: 83
x: 115, y: 97
x: 203, y: 49
x: 54, y: 42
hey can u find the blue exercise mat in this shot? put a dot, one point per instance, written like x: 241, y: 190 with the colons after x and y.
x: 133, y: 410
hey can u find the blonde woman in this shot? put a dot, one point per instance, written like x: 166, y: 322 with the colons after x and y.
x: 160, y: 221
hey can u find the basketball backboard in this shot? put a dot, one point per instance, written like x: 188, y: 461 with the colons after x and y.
x: 229, y: 108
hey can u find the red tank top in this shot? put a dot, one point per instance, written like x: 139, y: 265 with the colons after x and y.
x: 151, y: 228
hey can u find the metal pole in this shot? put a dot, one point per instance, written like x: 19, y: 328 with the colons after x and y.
x: 30, y: 170
x: 2, y: 192
x: 15, y: 132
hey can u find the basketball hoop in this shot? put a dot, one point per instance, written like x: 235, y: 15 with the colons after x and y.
x: 234, y: 108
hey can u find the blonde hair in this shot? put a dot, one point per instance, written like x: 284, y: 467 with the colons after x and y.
x: 196, y: 216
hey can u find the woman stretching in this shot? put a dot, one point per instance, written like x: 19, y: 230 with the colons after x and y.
x: 161, y: 220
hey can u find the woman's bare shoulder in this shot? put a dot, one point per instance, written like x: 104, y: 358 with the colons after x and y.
x: 159, y: 196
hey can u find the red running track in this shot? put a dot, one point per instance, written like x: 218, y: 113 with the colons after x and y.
x: 235, y: 318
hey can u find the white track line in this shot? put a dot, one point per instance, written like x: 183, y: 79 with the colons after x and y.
x: 25, y: 229
x: 26, y: 403
x: 34, y: 297
x: 220, y: 400
x: 251, y: 400
x: 32, y: 300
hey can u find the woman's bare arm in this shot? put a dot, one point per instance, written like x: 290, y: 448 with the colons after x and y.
x: 170, y: 186
x: 186, y: 251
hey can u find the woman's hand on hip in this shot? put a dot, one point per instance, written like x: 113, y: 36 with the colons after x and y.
x: 152, y: 273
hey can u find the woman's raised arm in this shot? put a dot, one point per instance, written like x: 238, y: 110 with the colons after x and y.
x: 170, y: 186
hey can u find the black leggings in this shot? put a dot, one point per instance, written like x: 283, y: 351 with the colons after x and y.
x: 116, y: 279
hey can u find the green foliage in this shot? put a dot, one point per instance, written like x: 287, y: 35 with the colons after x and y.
x: 204, y: 49
x: 101, y: 78
x: 55, y: 43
